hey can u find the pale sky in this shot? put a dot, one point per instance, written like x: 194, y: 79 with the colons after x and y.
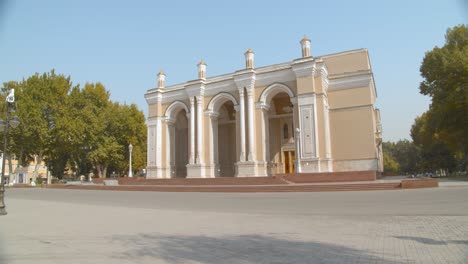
x: 123, y: 44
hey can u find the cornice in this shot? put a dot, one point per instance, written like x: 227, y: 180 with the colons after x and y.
x: 261, y: 76
x: 350, y: 81
x: 245, y: 78
x: 304, y: 67
x: 279, y: 75
x: 154, y: 97
x: 173, y: 95
x: 195, y: 88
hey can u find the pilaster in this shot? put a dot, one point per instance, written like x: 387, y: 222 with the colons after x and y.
x: 245, y: 81
x: 192, y: 130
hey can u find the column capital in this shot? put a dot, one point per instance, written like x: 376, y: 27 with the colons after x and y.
x: 212, y: 114
x: 293, y: 100
x: 169, y: 121
x: 262, y: 105
x: 250, y: 92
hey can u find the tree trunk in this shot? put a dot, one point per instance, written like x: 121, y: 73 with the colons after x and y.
x: 38, y: 163
x: 104, y: 171
x: 98, y: 168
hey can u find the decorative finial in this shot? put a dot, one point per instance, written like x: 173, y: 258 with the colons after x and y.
x: 161, y: 79
x: 305, y: 45
x: 202, y: 70
x: 249, y: 59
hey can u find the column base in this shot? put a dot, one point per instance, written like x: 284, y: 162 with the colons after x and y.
x: 199, y: 171
x: 326, y: 165
x: 211, y: 170
x: 251, y: 169
x: 310, y: 166
x: 154, y: 172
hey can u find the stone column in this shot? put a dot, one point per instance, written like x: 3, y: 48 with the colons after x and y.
x: 215, y: 147
x: 264, y: 123
x: 192, y: 130
x: 327, y: 131
x: 298, y: 151
x: 250, y: 114
x: 170, y: 147
x: 199, y: 159
x: 242, y: 125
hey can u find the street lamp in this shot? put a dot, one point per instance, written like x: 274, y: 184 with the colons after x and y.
x: 130, y: 173
x: 4, y: 126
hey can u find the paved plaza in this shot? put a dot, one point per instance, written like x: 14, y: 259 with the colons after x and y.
x: 83, y: 226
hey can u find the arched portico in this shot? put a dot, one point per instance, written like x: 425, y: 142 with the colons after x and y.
x: 279, y: 115
x: 174, y: 109
x: 177, y: 134
x: 221, y: 110
x: 272, y: 90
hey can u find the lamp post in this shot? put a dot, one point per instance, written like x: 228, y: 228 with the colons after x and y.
x: 4, y: 126
x: 130, y: 148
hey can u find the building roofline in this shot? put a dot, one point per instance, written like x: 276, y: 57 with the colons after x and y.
x: 263, y: 69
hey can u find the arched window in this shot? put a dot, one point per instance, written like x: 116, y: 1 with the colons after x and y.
x: 285, y: 131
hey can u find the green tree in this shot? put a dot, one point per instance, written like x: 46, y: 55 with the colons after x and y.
x: 391, y: 166
x: 103, y: 131
x: 128, y: 125
x: 405, y: 154
x: 435, y: 152
x: 40, y: 134
x: 445, y: 73
x: 79, y: 128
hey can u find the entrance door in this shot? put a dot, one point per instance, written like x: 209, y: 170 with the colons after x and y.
x: 293, y: 159
x: 289, y: 157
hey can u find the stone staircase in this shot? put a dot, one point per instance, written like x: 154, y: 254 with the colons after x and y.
x: 313, y: 182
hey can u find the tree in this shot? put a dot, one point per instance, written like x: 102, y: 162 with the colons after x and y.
x: 445, y: 73
x: 40, y: 135
x: 391, y: 166
x: 128, y: 125
x: 78, y: 128
x: 402, y: 157
x: 104, y: 129
x: 435, y: 152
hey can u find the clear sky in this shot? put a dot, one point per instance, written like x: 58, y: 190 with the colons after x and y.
x: 123, y: 44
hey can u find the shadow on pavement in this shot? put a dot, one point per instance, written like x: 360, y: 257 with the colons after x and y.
x: 238, y: 249
x: 430, y: 241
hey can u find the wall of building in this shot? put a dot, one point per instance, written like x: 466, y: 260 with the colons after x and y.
x: 336, y: 89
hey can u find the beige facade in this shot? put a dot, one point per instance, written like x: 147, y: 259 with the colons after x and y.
x: 23, y: 174
x: 312, y: 114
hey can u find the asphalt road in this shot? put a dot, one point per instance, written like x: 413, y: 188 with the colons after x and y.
x: 82, y: 226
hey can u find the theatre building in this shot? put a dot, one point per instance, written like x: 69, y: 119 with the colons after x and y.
x: 311, y: 114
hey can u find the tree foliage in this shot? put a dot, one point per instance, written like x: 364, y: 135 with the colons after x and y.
x: 445, y: 73
x: 405, y: 154
x: 76, y: 128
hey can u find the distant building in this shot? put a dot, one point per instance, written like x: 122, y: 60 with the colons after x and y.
x: 312, y: 114
x: 22, y: 174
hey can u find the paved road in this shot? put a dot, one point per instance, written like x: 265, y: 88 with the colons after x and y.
x: 79, y: 226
